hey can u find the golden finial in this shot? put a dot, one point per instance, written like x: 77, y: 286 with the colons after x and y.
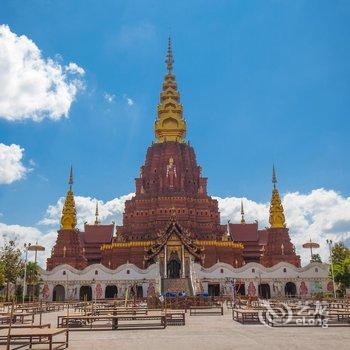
x: 277, y: 219
x: 170, y: 124
x: 69, y: 218
x: 274, y: 178
x: 242, y: 213
x: 96, y: 214
x: 169, y: 57
x: 70, y: 181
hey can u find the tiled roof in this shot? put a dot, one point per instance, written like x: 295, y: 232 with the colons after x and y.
x: 97, y: 233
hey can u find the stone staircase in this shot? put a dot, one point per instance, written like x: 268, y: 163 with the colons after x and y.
x: 177, y: 285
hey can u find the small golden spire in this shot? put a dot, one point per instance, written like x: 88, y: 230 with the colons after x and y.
x: 242, y: 213
x: 69, y: 217
x: 97, y: 221
x: 170, y: 124
x: 277, y: 219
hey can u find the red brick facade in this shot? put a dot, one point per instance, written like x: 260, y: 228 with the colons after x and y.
x: 67, y: 250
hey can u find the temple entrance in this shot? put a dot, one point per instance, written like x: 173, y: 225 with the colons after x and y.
x: 58, y: 293
x: 264, y: 291
x: 111, y: 292
x: 214, y: 289
x: 85, y: 293
x: 290, y: 289
x: 139, y: 292
x: 174, y: 266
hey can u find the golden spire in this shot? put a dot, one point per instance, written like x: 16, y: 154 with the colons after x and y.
x: 170, y: 124
x: 277, y: 219
x: 242, y: 213
x: 97, y: 221
x: 69, y: 217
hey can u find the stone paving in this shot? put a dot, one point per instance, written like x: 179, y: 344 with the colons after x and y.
x: 210, y: 332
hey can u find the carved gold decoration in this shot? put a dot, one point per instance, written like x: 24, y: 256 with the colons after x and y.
x: 170, y: 124
x: 69, y: 217
x: 130, y: 244
x: 226, y: 244
x: 277, y: 219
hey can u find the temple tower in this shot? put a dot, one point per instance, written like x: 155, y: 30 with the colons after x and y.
x: 279, y: 247
x: 68, y: 248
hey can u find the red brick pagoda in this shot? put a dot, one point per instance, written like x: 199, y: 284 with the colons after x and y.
x: 172, y: 220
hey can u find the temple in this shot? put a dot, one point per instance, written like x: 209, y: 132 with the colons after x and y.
x: 171, y: 235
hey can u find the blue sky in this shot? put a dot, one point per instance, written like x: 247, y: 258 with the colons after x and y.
x: 260, y: 81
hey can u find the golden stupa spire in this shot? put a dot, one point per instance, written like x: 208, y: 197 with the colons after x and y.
x: 97, y: 221
x: 277, y: 219
x: 242, y: 213
x: 69, y: 217
x: 170, y: 124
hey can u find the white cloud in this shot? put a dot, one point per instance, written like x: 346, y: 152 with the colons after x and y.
x: 319, y: 215
x: 27, y: 234
x: 33, y: 87
x: 128, y: 100
x: 109, y: 97
x: 11, y: 166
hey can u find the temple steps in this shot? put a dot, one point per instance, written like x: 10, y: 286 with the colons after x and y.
x: 177, y: 285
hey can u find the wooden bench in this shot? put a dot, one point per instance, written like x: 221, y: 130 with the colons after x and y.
x: 20, y: 338
x: 101, y: 322
x: 246, y: 315
x: 105, y: 322
x: 213, y: 310
x: 175, y: 318
x: 139, y: 322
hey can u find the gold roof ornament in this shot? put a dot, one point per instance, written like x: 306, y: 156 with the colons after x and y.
x: 277, y: 219
x: 97, y: 221
x: 170, y: 124
x: 242, y: 213
x: 69, y: 217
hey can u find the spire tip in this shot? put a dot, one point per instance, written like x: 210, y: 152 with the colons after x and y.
x: 169, y: 57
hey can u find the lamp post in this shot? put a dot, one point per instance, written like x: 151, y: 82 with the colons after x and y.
x: 26, y: 247
x: 330, y: 243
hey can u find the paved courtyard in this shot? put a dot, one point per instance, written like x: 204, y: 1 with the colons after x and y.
x: 210, y: 332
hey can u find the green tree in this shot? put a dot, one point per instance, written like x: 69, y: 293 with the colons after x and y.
x: 341, y: 265
x: 316, y: 258
x: 10, y: 256
x: 340, y: 252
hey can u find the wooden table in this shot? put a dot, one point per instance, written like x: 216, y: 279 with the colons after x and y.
x: 20, y: 338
